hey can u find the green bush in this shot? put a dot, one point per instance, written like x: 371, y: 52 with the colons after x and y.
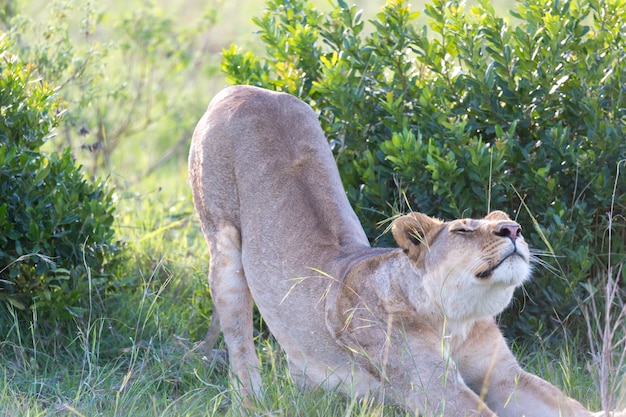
x: 55, y: 226
x: 470, y: 113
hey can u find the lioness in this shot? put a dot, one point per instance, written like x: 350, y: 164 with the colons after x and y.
x: 413, y: 323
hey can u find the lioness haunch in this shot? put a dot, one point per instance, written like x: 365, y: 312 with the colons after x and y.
x: 415, y: 323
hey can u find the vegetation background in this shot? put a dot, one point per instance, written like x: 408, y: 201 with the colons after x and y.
x: 133, y: 80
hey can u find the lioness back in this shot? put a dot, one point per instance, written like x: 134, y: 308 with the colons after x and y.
x: 261, y: 166
x: 259, y: 156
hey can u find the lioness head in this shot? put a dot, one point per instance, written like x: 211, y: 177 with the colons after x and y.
x: 470, y: 266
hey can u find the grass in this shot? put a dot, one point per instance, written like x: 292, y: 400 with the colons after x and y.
x: 156, y: 371
x: 137, y: 354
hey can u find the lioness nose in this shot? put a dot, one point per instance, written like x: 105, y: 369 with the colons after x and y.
x: 512, y: 231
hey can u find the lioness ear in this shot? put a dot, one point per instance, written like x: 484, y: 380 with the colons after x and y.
x: 410, y: 230
x: 497, y: 215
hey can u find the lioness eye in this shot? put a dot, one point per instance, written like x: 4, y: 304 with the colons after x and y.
x: 463, y: 231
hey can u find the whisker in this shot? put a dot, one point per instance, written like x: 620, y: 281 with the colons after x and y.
x: 543, y: 253
x: 536, y: 259
x: 475, y: 264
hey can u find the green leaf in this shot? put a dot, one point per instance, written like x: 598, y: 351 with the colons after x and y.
x: 15, y: 303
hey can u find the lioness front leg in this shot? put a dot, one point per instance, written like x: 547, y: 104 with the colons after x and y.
x: 413, y: 372
x: 435, y: 388
x: 490, y: 369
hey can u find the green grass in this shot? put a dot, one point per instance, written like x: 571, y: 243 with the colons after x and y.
x: 158, y: 372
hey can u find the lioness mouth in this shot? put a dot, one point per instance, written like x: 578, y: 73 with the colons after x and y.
x: 489, y: 272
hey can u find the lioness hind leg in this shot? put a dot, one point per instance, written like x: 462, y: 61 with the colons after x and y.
x: 217, y: 357
x: 233, y: 301
x: 210, y: 340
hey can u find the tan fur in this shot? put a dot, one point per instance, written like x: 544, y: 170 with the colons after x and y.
x: 413, y: 324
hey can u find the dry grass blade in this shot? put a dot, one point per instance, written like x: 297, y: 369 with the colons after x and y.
x: 605, y: 318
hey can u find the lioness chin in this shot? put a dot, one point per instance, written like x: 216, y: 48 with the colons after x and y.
x: 413, y: 323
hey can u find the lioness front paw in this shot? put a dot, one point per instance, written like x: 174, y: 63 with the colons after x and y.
x: 610, y: 414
